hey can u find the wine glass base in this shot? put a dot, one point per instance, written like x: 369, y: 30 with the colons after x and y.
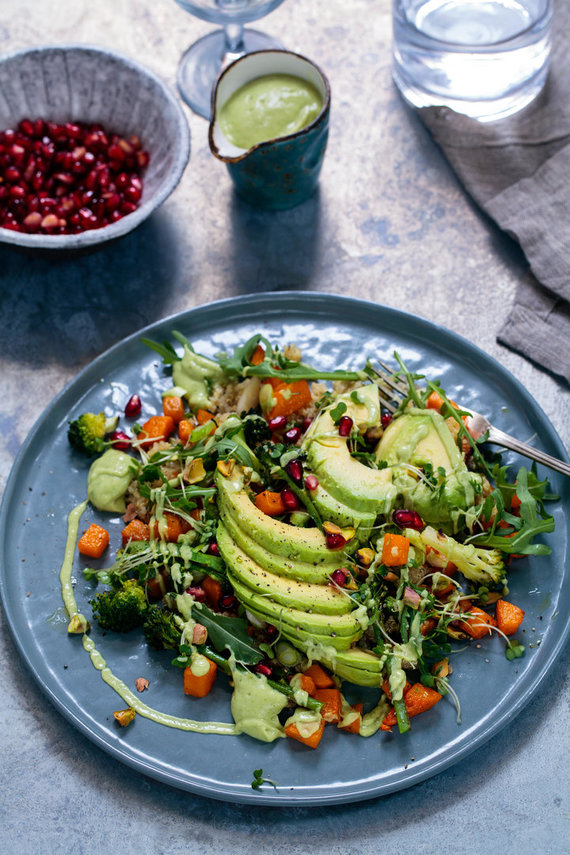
x: 202, y: 62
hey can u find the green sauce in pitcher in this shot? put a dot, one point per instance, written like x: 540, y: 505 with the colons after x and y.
x: 269, y: 107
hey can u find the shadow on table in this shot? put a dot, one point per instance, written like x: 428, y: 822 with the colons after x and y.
x: 274, y: 250
x: 66, y: 308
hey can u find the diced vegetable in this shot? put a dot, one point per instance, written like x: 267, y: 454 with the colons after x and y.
x: 286, y: 398
x: 271, y: 503
x: 135, y: 530
x: 155, y: 429
x: 353, y: 725
x: 418, y: 699
x: 170, y: 527
x: 395, y: 550
x: 94, y: 541
x: 173, y: 406
x: 478, y: 624
x: 258, y: 355
x: 185, y: 428
x: 199, y: 685
x: 213, y: 591
x: 508, y: 616
x: 304, y: 683
x: 312, y: 739
x: 319, y: 676
x: 332, y: 704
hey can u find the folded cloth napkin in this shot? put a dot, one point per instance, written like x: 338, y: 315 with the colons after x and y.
x: 518, y: 170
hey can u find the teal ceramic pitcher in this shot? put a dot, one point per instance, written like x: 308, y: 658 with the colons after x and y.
x: 283, y: 171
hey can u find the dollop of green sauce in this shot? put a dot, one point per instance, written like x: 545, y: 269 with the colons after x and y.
x: 269, y: 107
x: 194, y: 376
x: 256, y: 706
x: 108, y: 479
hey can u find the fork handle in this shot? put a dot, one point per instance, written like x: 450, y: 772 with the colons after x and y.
x: 499, y: 437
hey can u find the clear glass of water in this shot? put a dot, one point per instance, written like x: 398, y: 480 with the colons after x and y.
x: 483, y: 58
x: 203, y: 61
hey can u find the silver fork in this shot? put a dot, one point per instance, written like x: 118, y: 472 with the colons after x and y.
x: 391, y: 389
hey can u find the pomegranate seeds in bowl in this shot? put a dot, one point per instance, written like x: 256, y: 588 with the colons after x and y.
x: 67, y: 178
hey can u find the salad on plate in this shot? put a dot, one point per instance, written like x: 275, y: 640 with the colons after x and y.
x: 285, y: 532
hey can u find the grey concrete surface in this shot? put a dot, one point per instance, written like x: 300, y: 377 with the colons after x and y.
x: 390, y: 223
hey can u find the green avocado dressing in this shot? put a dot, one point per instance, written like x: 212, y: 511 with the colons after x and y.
x: 269, y: 107
x: 256, y: 706
x: 194, y: 375
x: 216, y: 727
x: 108, y: 479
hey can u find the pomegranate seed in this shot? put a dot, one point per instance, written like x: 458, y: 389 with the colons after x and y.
x: 33, y: 221
x: 120, y: 440
x: 213, y: 548
x: 50, y: 221
x: 311, y: 482
x: 142, y: 159
x: 227, y: 603
x: 12, y: 174
x: 122, y: 180
x: 290, y: 500
x: 26, y: 127
x: 56, y: 168
x: 271, y: 631
x: 292, y: 435
x: 295, y: 470
x: 112, y: 201
x: 307, y: 423
x: 262, y: 668
x: 115, y: 152
x: 132, y: 193
x: 407, y: 519
x: 339, y: 577
x: 71, y: 130
x: 277, y: 423
x: 345, y: 426
x: 133, y: 406
x: 197, y: 592
x: 385, y: 418
x: 334, y: 540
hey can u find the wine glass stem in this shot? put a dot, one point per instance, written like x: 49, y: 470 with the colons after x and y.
x: 233, y: 45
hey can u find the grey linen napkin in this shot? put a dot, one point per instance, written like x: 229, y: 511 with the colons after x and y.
x: 518, y: 171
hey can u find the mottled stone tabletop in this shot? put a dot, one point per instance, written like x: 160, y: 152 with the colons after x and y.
x: 390, y: 223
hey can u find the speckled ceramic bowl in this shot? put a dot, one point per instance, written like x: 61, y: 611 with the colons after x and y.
x: 88, y: 84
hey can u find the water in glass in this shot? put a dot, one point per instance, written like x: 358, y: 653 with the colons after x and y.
x: 484, y: 58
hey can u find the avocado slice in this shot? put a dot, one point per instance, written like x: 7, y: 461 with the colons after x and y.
x: 421, y: 437
x: 343, y: 476
x: 280, y: 538
x: 337, y: 512
x: 346, y: 625
x: 317, y: 574
x: 323, y: 598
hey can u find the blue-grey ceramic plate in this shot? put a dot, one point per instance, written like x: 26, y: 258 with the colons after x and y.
x: 48, y: 480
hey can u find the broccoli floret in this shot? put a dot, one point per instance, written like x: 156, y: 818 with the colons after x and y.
x: 160, y: 629
x: 87, y: 433
x: 121, y: 609
x: 482, y: 566
x: 255, y: 430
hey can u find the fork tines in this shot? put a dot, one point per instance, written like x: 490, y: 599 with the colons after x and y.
x: 389, y: 388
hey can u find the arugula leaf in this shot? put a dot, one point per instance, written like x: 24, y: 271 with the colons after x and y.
x: 164, y: 349
x: 228, y: 632
x: 524, y: 528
